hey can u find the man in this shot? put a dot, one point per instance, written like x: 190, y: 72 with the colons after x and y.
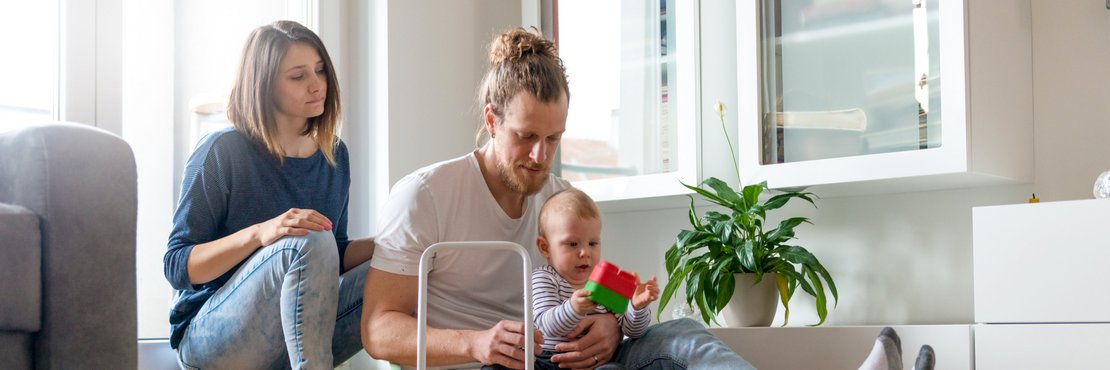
x: 495, y: 193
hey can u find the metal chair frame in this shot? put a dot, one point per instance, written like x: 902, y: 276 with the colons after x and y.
x: 422, y: 309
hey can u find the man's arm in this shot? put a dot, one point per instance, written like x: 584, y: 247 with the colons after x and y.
x: 389, y: 329
x: 357, y: 252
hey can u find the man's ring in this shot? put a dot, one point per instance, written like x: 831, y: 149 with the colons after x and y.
x: 596, y: 360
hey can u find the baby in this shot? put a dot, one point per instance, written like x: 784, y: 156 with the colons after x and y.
x: 570, y: 239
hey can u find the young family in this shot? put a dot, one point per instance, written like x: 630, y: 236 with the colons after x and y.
x: 267, y: 277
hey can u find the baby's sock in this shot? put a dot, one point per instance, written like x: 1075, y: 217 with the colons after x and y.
x: 926, y: 359
x: 886, y: 354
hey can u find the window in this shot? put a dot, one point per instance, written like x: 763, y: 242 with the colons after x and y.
x: 631, y: 126
x: 31, y: 80
x: 620, y: 58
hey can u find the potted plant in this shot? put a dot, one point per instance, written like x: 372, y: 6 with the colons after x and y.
x: 708, y: 258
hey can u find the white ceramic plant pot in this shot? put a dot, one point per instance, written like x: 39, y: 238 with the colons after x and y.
x: 751, y: 305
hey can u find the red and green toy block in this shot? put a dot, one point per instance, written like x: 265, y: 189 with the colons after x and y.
x: 611, y: 287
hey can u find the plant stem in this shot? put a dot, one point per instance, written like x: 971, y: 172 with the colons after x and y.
x: 731, y: 151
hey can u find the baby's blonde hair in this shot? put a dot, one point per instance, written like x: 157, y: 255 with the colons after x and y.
x: 571, y: 200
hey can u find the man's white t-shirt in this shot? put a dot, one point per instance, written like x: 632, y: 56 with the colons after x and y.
x: 450, y: 201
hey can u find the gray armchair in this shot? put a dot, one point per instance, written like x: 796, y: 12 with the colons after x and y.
x: 67, y: 249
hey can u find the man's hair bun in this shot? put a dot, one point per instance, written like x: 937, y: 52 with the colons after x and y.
x: 519, y: 44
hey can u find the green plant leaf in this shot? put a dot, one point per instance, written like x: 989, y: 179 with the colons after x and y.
x: 709, y: 196
x: 832, y: 286
x: 693, y: 214
x: 816, y: 266
x: 693, y: 280
x: 795, y: 254
x: 785, y: 231
x: 726, y: 288
x: 806, y: 197
x: 801, y: 256
x: 674, y: 279
x: 746, y: 256
x: 751, y: 195
x: 822, y: 309
x: 777, y: 201
x: 709, y: 288
x: 726, y: 264
x: 725, y: 192
x: 672, y: 257
x: 758, y: 210
x: 689, y: 241
x: 801, y: 281
x: 706, y: 316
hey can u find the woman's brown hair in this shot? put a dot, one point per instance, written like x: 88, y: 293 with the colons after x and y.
x: 521, y: 61
x: 252, y: 103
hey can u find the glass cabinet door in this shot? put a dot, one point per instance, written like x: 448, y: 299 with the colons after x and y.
x: 843, y: 78
x: 626, y: 127
x: 874, y: 96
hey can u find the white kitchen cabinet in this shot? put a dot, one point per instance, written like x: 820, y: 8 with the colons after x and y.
x: 1038, y: 271
x: 1041, y: 346
x: 844, y: 347
x: 891, y: 96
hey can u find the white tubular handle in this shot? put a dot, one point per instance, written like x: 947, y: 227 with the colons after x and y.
x: 422, y: 303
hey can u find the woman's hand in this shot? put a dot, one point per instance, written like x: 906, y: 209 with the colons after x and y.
x: 295, y: 221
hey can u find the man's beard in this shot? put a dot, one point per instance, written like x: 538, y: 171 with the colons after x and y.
x: 518, y: 184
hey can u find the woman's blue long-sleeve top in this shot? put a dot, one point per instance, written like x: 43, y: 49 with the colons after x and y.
x: 231, y: 183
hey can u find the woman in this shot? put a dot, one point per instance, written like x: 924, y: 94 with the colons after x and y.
x: 265, y: 275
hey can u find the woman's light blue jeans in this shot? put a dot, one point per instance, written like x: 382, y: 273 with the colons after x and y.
x: 286, y: 307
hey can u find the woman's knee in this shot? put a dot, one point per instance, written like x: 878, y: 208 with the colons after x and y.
x: 317, y: 247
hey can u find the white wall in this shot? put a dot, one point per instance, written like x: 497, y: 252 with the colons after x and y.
x: 359, y: 107
x: 906, y: 258
x: 437, y: 55
x: 1071, y: 96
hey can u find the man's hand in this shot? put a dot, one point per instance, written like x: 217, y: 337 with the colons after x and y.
x: 600, y: 335
x: 503, y: 344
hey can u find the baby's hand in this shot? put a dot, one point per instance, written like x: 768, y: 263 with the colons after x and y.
x: 645, y: 293
x: 581, y: 303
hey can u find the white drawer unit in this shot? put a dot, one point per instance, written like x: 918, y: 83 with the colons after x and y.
x: 844, y: 347
x: 1042, y: 346
x: 1042, y: 262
